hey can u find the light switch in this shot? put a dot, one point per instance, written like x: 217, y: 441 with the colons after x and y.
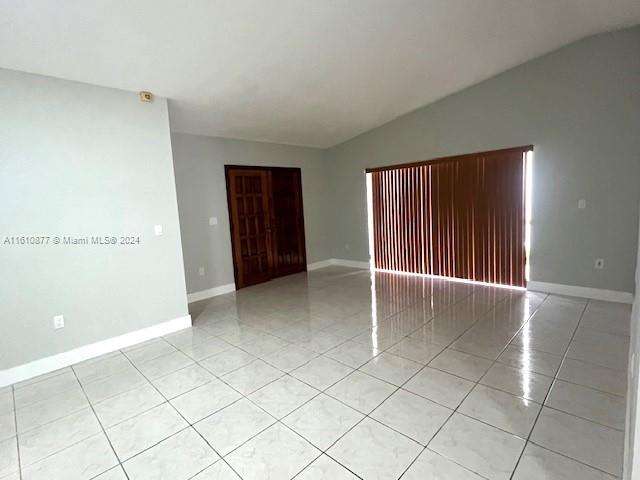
x: 201, y: 271
x: 213, y: 220
x: 157, y: 229
x: 582, y: 203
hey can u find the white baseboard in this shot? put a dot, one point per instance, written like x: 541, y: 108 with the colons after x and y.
x: 211, y: 292
x: 317, y: 265
x: 556, y: 288
x: 350, y: 263
x: 583, y: 292
x: 71, y: 357
x: 337, y: 261
x: 231, y: 287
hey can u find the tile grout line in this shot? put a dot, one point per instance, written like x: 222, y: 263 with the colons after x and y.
x: 476, y: 383
x: 277, y: 421
x: 65, y: 448
x: 317, y: 355
x: 177, y: 349
x: 99, y: 423
x: 167, y: 401
x: 367, y: 415
x: 493, y: 306
x: 510, y: 394
x: 318, y: 394
x: 544, y: 401
x: 189, y: 424
x: 149, y: 382
x: 322, y: 354
x: 242, y: 396
x: 351, y: 337
x: 35, y: 380
x: 15, y: 420
x: 77, y: 409
x: 285, y: 373
x: 567, y: 413
x: 599, y: 470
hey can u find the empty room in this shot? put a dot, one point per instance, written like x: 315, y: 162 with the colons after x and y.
x: 319, y: 240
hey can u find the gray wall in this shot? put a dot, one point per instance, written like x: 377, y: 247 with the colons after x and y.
x: 82, y: 160
x: 199, y: 168
x: 579, y: 107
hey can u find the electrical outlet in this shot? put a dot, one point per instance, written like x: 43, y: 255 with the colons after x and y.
x: 201, y: 271
x: 347, y: 246
x: 599, y: 263
x: 58, y: 321
x: 157, y: 229
x: 582, y: 204
x: 213, y: 221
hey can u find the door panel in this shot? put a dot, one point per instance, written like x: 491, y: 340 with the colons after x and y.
x: 267, y: 222
x: 287, y: 221
x: 249, y: 211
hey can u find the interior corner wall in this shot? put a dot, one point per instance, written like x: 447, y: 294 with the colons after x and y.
x: 632, y: 425
x: 79, y: 160
x: 580, y: 108
x: 200, y: 180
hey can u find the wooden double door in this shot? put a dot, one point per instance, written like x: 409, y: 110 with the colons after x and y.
x: 267, y: 222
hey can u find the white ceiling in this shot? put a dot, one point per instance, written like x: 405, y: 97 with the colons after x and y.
x: 305, y: 72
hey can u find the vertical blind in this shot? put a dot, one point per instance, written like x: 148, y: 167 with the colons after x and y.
x: 460, y: 216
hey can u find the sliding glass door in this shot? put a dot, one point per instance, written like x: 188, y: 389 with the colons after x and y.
x: 460, y: 216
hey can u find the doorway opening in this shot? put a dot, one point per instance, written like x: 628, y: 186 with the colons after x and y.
x: 267, y: 222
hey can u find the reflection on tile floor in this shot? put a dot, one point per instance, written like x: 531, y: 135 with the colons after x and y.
x: 335, y: 375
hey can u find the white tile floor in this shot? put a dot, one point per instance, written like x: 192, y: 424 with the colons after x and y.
x: 315, y: 377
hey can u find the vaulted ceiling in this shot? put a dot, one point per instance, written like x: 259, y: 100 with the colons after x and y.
x: 305, y: 72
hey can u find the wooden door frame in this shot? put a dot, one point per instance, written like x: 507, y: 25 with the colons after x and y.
x: 269, y: 170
